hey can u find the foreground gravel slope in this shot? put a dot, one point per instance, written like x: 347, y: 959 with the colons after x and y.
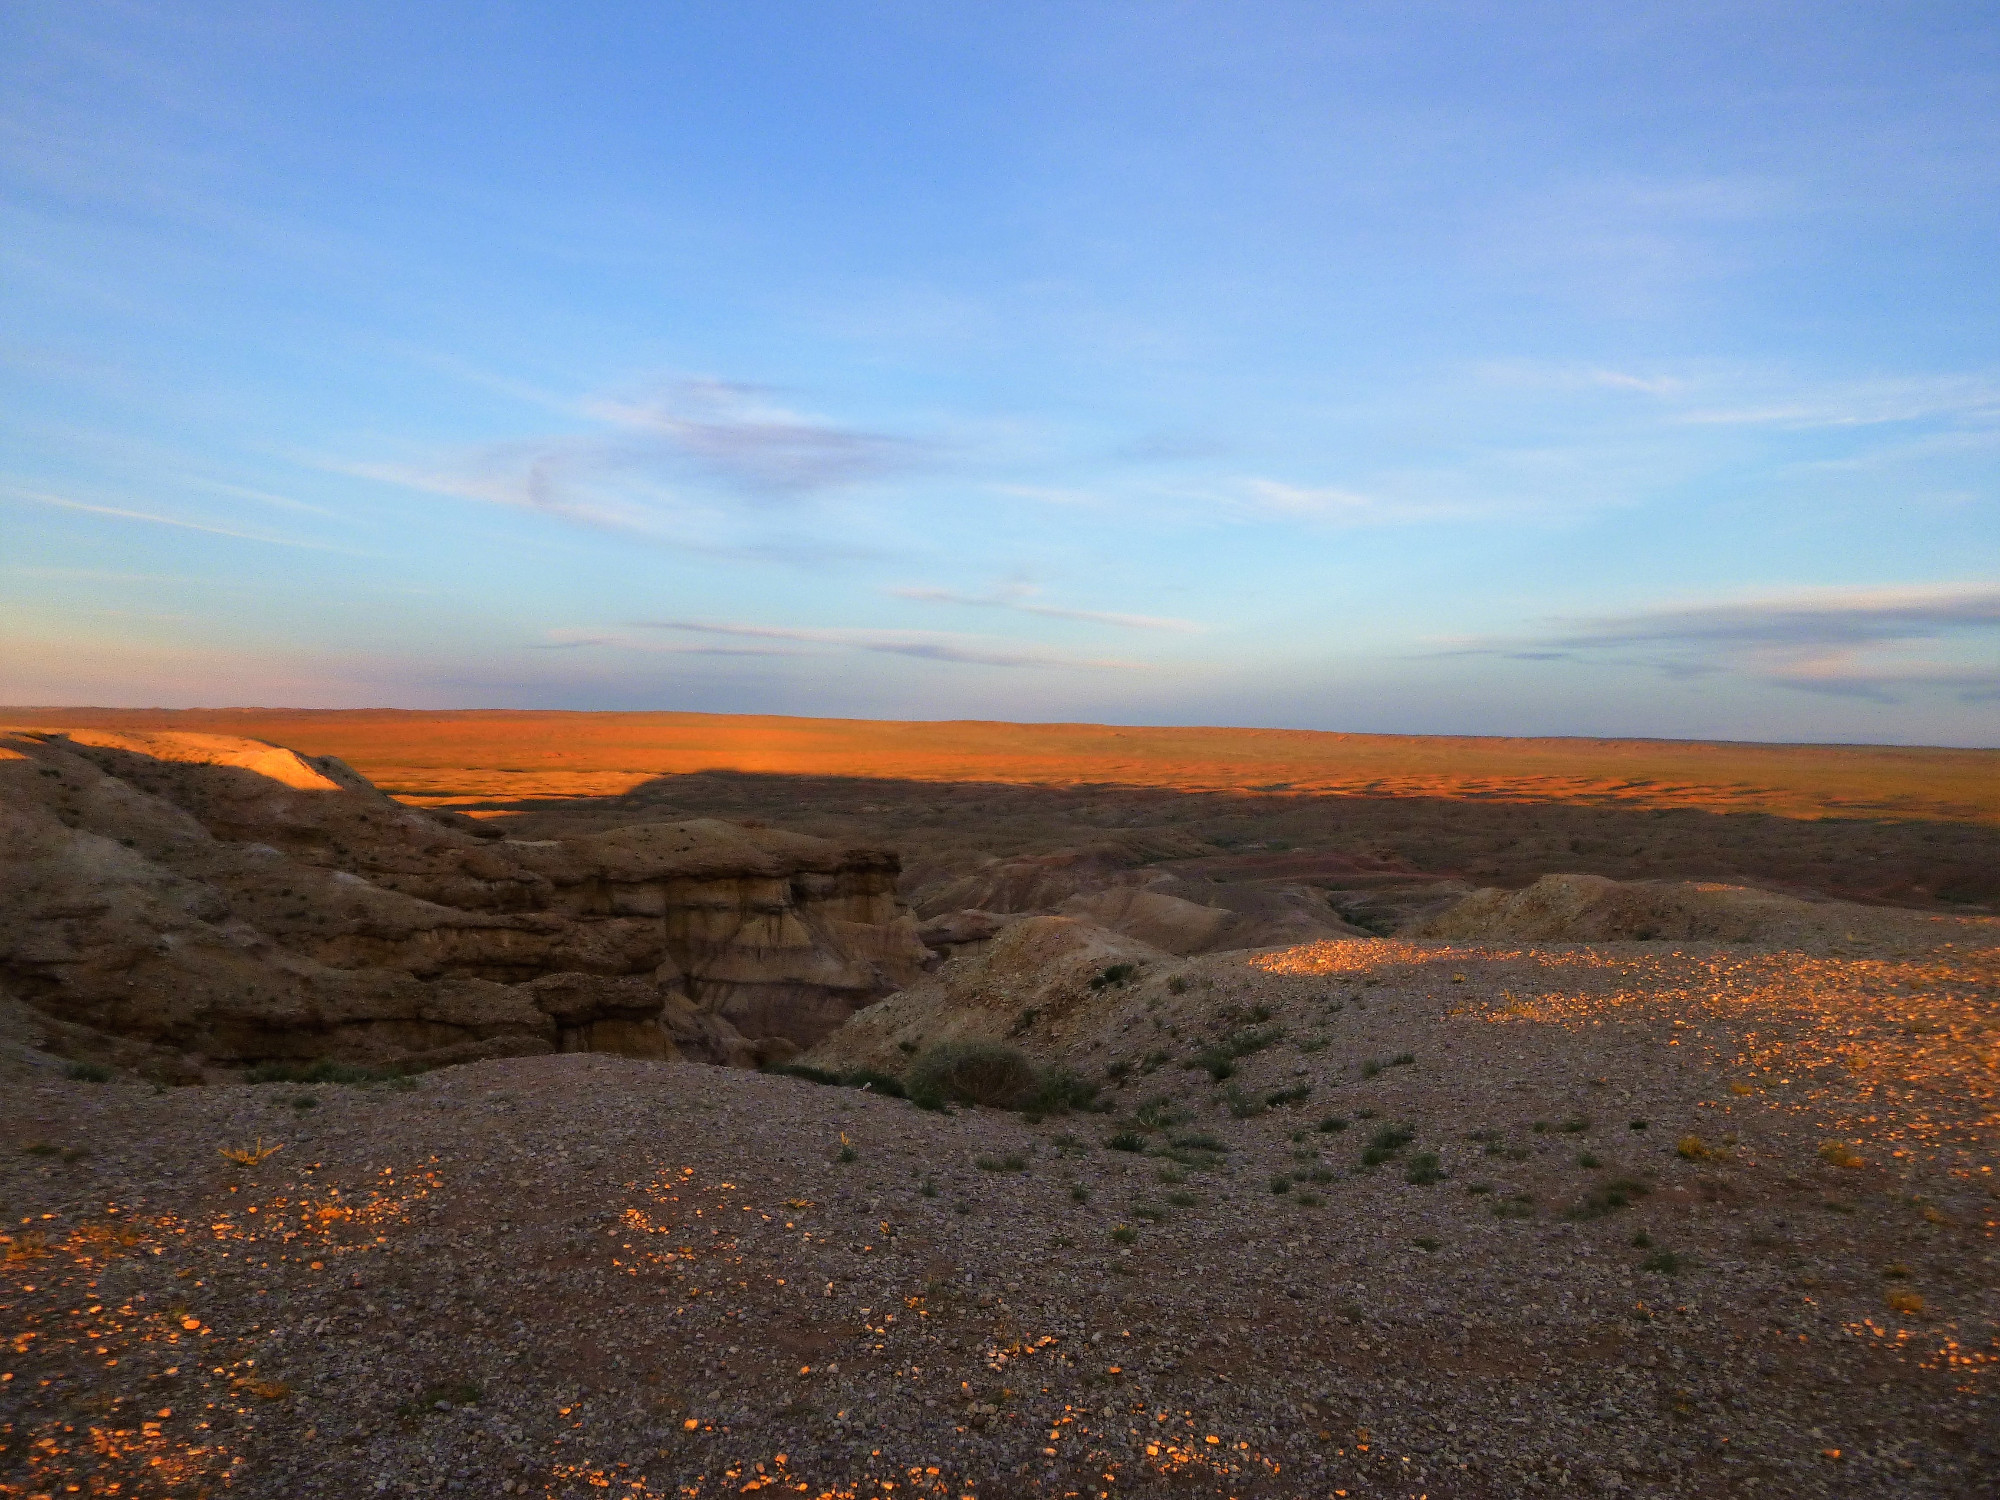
x: 572, y: 1274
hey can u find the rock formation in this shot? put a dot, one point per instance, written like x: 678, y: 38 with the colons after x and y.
x: 191, y: 899
x: 1042, y: 981
x: 1592, y: 909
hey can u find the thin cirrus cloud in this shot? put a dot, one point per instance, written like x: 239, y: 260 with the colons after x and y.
x: 668, y: 465
x: 119, y: 513
x: 925, y: 645
x: 1021, y: 599
x: 1875, y: 643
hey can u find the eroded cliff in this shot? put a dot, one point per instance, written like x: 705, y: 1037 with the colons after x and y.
x: 185, y: 900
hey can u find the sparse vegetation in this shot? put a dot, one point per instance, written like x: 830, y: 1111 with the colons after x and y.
x: 1219, y: 1060
x: 1126, y: 1140
x: 88, y: 1072
x: 1124, y: 1234
x: 1424, y: 1169
x: 1013, y: 1161
x: 1113, y: 977
x: 1609, y: 1197
x: 1331, y: 1124
x: 990, y: 1074
x: 1666, y: 1262
x: 326, y: 1070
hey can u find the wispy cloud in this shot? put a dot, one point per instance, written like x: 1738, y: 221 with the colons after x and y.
x: 577, y: 640
x: 1873, y: 643
x: 1021, y: 599
x: 118, y: 513
x: 927, y: 645
x: 1972, y: 400
x: 670, y: 466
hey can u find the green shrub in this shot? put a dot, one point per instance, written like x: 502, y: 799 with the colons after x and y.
x: 1245, y: 1106
x: 1126, y: 1140
x: 1424, y: 1169
x: 88, y: 1072
x: 1279, y: 1098
x: 1665, y: 1262
x: 982, y: 1073
x: 1609, y: 1197
x: 874, y: 1081
x: 324, y: 1070
x: 1114, y: 976
x: 1057, y: 1091
x: 1331, y: 1123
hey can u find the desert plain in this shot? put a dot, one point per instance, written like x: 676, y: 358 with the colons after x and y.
x: 500, y: 1104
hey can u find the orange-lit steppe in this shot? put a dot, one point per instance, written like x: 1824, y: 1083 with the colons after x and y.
x: 1456, y: 1219
x: 504, y: 754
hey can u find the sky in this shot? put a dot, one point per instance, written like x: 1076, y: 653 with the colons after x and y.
x: 1438, y: 368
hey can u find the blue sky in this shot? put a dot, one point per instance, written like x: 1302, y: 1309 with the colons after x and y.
x: 1443, y: 368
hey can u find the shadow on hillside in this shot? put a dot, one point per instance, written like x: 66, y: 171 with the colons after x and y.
x: 940, y: 827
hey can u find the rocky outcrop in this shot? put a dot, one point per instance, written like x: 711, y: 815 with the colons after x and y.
x: 207, y: 896
x: 1040, y: 982
x: 1182, y: 910
x: 1592, y: 909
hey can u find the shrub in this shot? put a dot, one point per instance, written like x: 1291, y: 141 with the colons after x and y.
x: 87, y: 1072
x: 324, y: 1070
x: 805, y: 1071
x: 1424, y: 1169
x: 1576, y: 1125
x: 983, y: 1073
x: 874, y: 1081
x: 1281, y: 1183
x: 1152, y: 1213
x: 1245, y: 1106
x: 1182, y: 1199
x: 1279, y: 1098
x: 1124, y: 1234
x: 1114, y: 976
x: 1694, y: 1148
x: 1393, y: 1137
x: 1079, y: 1193
x: 1402, y: 1060
x: 1370, y: 1068
x: 1588, y: 1160
x: 1609, y: 1197
x: 1427, y: 1243
x: 1902, y: 1300
x: 1177, y: 985
x: 1126, y: 1140
x: 1057, y: 1091
x: 1305, y: 1199
x: 1665, y: 1262
x: 1331, y: 1123
x: 1013, y: 1161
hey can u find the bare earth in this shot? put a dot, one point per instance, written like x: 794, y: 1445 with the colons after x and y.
x: 1475, y: 1219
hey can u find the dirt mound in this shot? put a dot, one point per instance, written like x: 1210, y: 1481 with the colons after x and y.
x: 210, y: 900
x: 1592, y: 909
x: 1041, y: 985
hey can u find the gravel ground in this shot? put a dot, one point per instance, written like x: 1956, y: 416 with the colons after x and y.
x: 1665, y: 1220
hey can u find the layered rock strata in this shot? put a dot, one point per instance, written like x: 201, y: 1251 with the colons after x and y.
x: 204, y: 897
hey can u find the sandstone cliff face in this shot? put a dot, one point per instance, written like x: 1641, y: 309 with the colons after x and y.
x: 197, y: 894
